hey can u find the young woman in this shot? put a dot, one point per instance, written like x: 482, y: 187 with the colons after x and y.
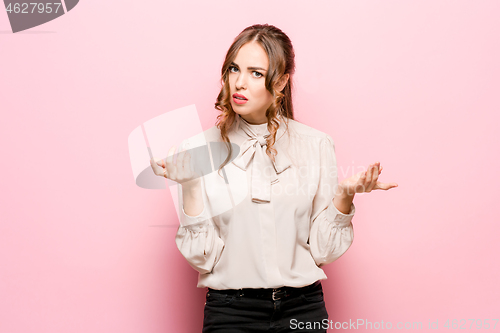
x: 260, y: 232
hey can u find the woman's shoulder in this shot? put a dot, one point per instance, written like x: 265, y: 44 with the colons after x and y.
x: 303, y: 131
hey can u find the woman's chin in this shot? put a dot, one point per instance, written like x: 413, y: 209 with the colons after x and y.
x: 238, y: 110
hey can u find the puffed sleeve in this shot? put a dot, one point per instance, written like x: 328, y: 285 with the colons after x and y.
x: 331, y: 232
x: 198, y: 237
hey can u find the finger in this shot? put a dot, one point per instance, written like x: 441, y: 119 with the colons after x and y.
x: 360, y: 184
x: 152, y: 162
x: 374, y: 177
x: 369, y: 181
x: 169, y: 163
x: 156, y: 169
x: 369, y: 175
x: 159, y: 163
x: 170, y: 155
x: 385, y: 186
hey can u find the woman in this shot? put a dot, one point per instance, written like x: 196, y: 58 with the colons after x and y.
x: 259, y: 232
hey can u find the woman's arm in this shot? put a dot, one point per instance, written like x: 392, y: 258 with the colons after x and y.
x: 197, y: 238
x: 343, y: 201
x: 193, y: 201
x: 331, y: 232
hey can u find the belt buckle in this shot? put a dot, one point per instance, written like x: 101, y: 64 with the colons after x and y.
x: 276, y: 291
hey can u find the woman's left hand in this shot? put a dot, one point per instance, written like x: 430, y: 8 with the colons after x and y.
x: 365, y: 181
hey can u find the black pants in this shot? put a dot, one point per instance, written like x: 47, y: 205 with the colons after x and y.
x: 229, y: 313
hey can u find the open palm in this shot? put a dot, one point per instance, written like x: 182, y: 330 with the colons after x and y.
x: 366, y: 181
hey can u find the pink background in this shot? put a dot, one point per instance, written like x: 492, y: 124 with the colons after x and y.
x: 412, y: 84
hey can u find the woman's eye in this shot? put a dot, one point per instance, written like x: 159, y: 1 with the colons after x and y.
x: 231, y: 69
x: 258, y: 74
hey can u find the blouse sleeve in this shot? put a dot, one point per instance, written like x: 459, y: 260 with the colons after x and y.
x: 198, y: 238
x: 331, y: 232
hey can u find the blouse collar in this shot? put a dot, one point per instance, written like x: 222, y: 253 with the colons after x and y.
x: 264, y: 171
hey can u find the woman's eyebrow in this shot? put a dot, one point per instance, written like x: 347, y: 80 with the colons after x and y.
x: 251, y: 68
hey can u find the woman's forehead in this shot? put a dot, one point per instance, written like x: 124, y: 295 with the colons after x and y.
x: 252, y: 54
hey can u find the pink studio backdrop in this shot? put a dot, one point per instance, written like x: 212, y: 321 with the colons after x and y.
x: 412, y: 84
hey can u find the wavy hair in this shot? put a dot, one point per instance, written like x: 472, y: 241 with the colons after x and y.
x: 281, y: 56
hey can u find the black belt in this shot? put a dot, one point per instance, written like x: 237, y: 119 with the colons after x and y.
x: 271, y: 293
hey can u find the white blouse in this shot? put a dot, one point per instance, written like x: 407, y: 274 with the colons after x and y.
x: 264, y: 224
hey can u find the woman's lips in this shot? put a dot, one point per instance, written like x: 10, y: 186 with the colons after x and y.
x: 239, y: 99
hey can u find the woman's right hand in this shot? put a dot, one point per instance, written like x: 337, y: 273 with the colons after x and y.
x: 181, y: 171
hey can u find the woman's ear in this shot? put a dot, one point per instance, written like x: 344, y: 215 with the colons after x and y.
x: 280, y: 85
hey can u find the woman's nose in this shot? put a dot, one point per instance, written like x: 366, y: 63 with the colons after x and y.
x: 241, y: 82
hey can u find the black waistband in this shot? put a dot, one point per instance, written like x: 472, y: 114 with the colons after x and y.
x: 270, y: 293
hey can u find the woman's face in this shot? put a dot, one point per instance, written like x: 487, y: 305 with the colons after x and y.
x: 247, y: 77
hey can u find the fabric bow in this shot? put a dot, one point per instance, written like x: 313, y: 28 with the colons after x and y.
x: 265, y: 171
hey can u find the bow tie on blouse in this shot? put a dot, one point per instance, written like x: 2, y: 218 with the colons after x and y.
x: 264, y: 171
